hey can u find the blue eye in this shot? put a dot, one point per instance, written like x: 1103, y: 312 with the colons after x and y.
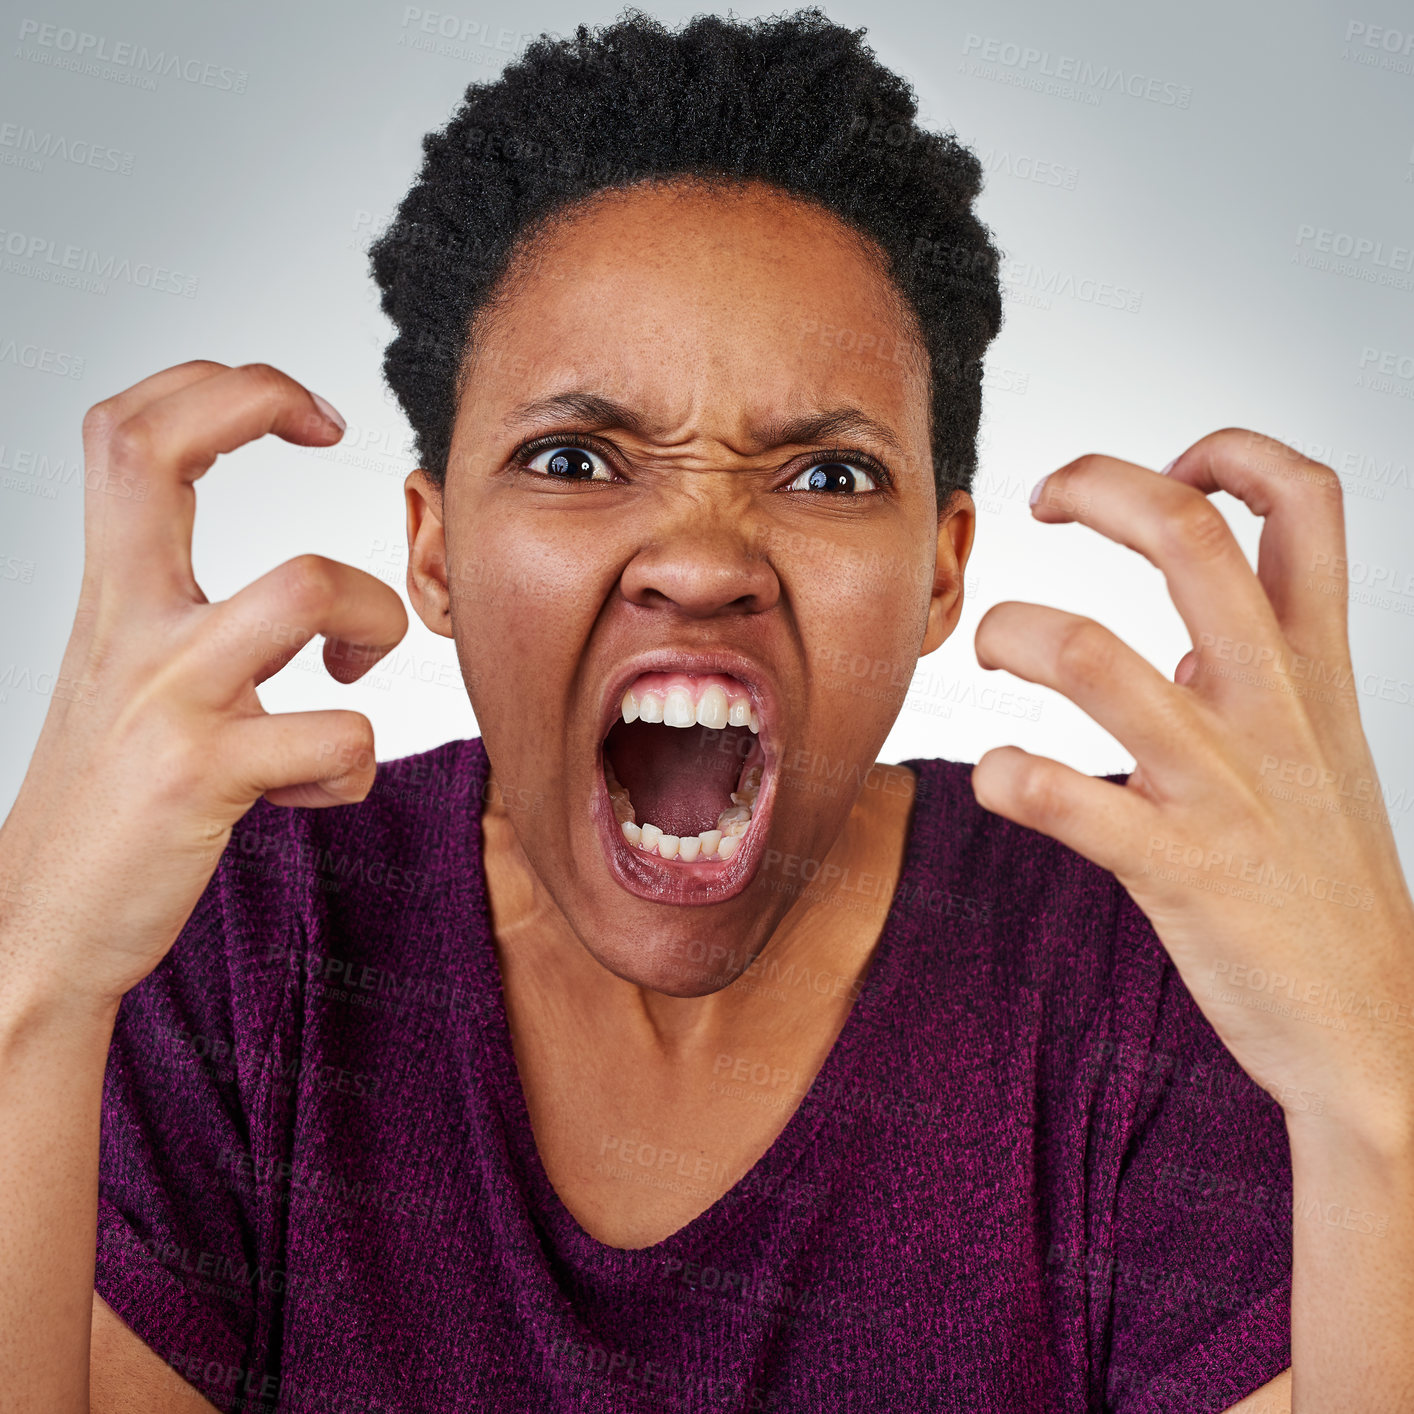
x: 833, y: 476
x: 569, y: 463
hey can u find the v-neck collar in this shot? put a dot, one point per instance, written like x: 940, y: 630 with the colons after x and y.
x: 841, y: 1069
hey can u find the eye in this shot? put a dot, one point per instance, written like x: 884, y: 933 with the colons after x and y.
x: 566, y: 462
x: 834, y: 476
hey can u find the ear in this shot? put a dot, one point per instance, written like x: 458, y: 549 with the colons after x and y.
x: 956, y: 526
x: 427, y: 553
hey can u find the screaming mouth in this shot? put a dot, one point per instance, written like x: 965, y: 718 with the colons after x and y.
x: 689, y: 793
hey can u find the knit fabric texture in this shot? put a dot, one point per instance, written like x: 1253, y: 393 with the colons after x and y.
x: 1028, y: 1176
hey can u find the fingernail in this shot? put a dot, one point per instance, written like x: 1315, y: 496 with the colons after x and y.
x: 1036, y: 489
x: 1164, y: 471
x: 329, y: 411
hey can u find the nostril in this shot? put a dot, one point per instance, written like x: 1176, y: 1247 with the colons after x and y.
x: 701, y: 578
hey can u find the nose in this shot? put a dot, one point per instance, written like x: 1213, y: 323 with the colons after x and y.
x: 703, y: 566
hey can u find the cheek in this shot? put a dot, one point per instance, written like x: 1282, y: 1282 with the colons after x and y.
x: 518, y: 592
x: 522, y: 608
x: 862, y: 633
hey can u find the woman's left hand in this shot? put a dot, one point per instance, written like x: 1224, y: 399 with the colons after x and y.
x: 1252, y: 831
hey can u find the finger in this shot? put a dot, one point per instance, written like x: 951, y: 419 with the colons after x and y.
x: 1096, y: 818
x: 253, y: 634
x: 1156, y: 721
x: 1178, y: 529
x: 302, y: 758
x: 102, y: 487
x: 104, y: 416
x: 142, y: 545
x: 1301, y: 561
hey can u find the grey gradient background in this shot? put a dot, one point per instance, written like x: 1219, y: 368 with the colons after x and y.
x: 257, y: 167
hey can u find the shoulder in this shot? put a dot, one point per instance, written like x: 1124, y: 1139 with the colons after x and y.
x: 1068, y: 974
x: 291, y: 854
x: 290, y: 877
x: 1019, y: 906
x: 1016, y: 872
x: 409, y: 795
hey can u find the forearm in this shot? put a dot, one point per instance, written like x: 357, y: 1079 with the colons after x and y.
x: 53, y: 1049
x: 1352, y: 1315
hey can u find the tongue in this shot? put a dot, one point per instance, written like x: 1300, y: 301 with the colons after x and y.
x: 679, y: 778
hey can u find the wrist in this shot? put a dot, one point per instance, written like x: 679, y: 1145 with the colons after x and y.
x: 1374, y: 1136
x: 37, y: 998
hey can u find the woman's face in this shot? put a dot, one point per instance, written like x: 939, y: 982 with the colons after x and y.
x: 677, y: 555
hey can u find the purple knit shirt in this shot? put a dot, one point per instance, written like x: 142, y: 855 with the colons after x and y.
x: 1028, y: 1176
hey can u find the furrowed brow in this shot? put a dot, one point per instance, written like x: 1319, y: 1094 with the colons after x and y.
x: 596, y: 411
x: 592, y: 409
x: 827, y: 426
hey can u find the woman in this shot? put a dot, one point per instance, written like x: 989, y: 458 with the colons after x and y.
x: 660, y: 1050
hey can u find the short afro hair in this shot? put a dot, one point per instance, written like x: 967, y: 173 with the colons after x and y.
x: 795, y: 101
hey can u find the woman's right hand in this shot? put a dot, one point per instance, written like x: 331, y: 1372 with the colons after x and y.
x: 155, y: 743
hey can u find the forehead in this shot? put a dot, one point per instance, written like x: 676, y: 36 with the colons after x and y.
x: 659, y: 294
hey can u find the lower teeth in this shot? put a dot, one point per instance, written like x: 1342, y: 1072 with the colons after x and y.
x: 718, y: 844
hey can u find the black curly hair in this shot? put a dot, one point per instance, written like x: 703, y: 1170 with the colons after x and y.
x: 795, y: 101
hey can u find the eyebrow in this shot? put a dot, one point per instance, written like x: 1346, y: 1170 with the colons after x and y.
x: 600, y: 412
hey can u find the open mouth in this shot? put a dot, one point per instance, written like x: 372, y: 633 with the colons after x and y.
x: 687, y: 782
x: 683, y: 765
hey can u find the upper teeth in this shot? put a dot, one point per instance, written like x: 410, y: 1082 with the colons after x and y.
x: 684, y: 702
